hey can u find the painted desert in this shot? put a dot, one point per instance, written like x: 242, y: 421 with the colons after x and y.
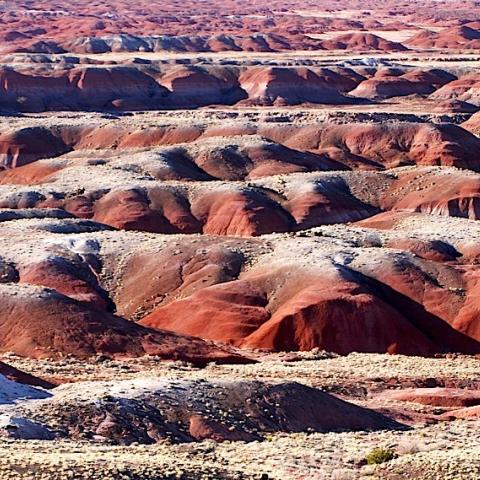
x: 240, y: 240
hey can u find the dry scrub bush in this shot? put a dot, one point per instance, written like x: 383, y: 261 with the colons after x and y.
x: 380, y: 455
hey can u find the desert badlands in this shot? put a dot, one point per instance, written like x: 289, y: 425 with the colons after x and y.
x: 240, y: 240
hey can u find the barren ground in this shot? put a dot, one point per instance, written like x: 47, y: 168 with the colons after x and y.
x: 241, y: 240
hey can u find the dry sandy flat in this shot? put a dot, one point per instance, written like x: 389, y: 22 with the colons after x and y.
x: 432, y: 453
x: 312, y: 368
x: 392, y: 35
x: 347, y: 14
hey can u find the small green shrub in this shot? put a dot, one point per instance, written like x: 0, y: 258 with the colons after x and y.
x: 380, y: 455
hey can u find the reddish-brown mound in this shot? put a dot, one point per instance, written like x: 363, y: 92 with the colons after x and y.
x: 394, y: 145
x: 192, y: 87
x: 459, y: 37
x: 31, y: 93
x: 226, y: 313
x: 454, y: 106
x: 434, y: 250
x: 257, y: 159
x: 340, y: 78
x: 417, y: 82
x: 131, y: 210
x: 326, y: 203
x: 473, y: 124
x: 432, y: 293
x: 438, y: 397
x: 240, y: 213
x: 286, y: 86
x: 466, y: 89
x: 443, y: 298
x: 119, y: 87
x: 76, y: 280
x: 22, y: 377
x: 26, y: 145
x: 293, y: 310
x: 362, y: 42
x: 85, y: 89
x: 448, y: 195
x: 30, y: 174
x: 148, y: 280
x: 41, y: 323
x: 385, y: 220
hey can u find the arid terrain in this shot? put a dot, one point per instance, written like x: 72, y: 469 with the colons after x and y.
x: 240, y: 240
